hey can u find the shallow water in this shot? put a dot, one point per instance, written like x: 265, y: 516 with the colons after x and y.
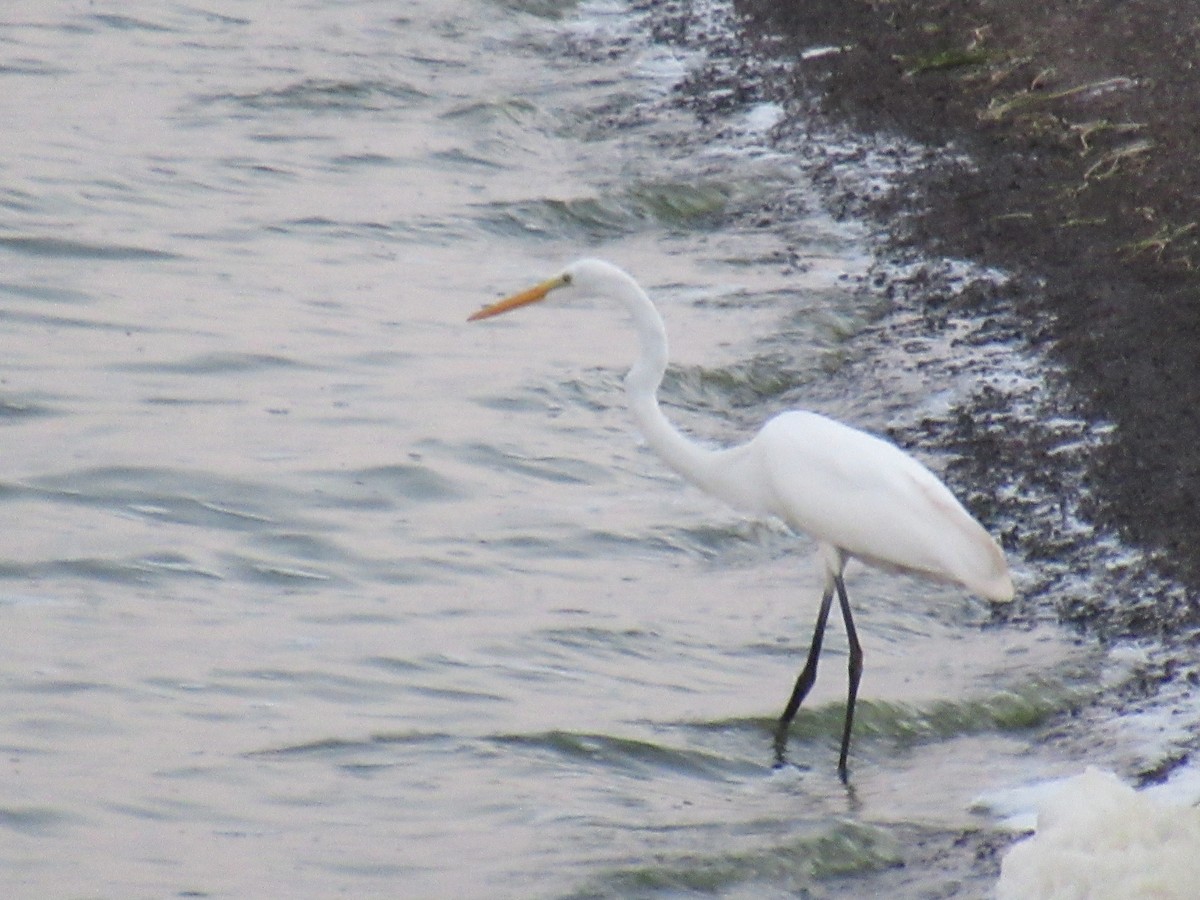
x: 309, y: 587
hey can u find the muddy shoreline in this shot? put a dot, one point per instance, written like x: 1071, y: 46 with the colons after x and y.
x: 1062, y: 142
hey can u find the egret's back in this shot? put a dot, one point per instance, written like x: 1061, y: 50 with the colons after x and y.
x: 870, y: 499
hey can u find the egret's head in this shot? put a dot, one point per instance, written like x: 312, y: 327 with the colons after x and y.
x: 587, y: 277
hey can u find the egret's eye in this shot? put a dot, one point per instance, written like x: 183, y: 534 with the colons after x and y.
x: 567, y: 279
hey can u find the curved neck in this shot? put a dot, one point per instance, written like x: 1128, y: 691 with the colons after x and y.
x: 687, y: 458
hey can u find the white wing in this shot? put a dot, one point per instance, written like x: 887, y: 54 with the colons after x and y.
x: 867, y: 497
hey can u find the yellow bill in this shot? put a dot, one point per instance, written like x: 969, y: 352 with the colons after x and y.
x: 533, y: 295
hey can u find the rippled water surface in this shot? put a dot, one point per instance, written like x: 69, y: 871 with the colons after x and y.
x: 308, y: 587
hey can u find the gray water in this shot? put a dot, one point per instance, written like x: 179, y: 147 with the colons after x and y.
x: 310, y: 588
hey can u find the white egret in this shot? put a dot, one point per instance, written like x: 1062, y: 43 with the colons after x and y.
x: 857, y: 495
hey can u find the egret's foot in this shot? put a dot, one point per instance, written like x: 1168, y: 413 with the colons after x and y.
x: 781, y: 738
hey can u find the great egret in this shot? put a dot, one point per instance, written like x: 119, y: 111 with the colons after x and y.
x: 858, y: 495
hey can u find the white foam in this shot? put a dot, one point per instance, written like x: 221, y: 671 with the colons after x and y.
x: 762, y: 117
x: 1098, y: 838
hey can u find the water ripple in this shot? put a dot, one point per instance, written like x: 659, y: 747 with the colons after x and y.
x: 378, y: 487
x: 128, y: 23
x: 628, y: 754
x: 790, y: 863
x: 64, y: 248
x: 221, y: 363
x: 32, y: 820
x: 192, y: 498
x: 329, y: 95
x: 562, y: 470
x: 673, y: 205
x: 13, y: 411
x: 44, y: 293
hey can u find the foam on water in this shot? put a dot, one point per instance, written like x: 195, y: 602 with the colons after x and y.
x: 1099, y: 839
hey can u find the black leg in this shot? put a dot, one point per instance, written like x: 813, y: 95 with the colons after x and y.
x: 856, y: 667
x: 808, y: 675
